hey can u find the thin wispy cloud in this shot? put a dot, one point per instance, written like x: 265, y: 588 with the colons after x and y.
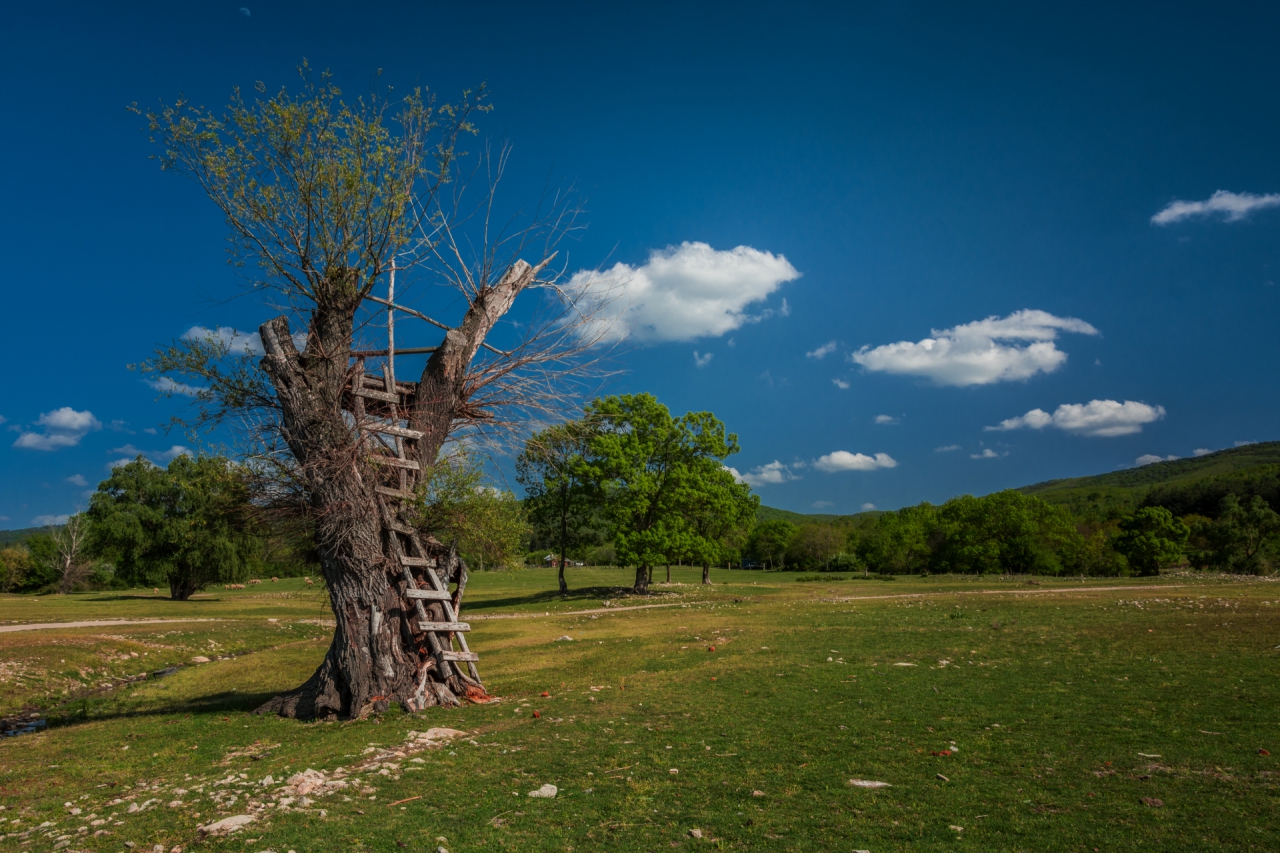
x: 821, y: 504
x: 165, y: 385
x: 235, y: 341
x: 77, y: 480
x: 843, y: 460
x: 1097, y: 418
x: 60, y: 428
x: 49, y: 520
x: 1228, y: 206
x: 841, y: 384
x: 867, y: 507
x: 946, y: 449
x: 886, y: 420
x: 822, y: 351
x: 702, y: 360
x: 682, y: 293
x: 1201, y: 451
x: 997, y: 349
x: 987, y: 453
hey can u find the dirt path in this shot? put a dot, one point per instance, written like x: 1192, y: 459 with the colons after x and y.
x: 1009, y: 591
x: 547, y: 613
x: 96, y: 623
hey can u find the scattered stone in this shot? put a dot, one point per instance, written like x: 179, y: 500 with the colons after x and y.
x: 546, y: 792
x: 757, y: 793
x: 904, y: 664
x: 942, y: 778
x: 956, y: 828
x: 227, y: 825
x: 1152, y: 802
x: 695, y: 833
x: 565, y: 639
x: 199, y: 659
x: 868, y: 783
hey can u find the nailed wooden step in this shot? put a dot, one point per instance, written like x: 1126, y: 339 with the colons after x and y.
x: 395, y: 493
x: 376, y: 395
x: 470, y: 657
x: 393, y: 461
x: 399, y: 528
x: 444, y: 627
x: 428, y: 594
x: 377, y: 426
x: 406, y: 560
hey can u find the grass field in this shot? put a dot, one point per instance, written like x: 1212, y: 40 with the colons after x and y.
x: 1063, y: 705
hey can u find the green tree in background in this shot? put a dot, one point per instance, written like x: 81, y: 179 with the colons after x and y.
x: 1006, y: 532
x: 1246, y: 534
x: 1151, y: 538
x: 815, y: 544
x: 899, y: 542
x: 719, y: 513
x: 770, y: 540
x: 187, y: 526
x: 559, y: 490
x: 488, y: 525
x: 651, y: 470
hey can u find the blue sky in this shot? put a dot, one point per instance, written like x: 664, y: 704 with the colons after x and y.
x: 909, y: 226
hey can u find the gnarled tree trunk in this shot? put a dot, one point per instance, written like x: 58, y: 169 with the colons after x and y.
x: 378, y: 656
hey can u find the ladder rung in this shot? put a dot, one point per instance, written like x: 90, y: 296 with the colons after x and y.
x: 393, y: 461
x: 375, y: 426
x: 394, y: 493
x: 376, y: 395
x: 416, y: 561
x: 428, y: 594
x: 449, y: 627
x: 470, y: 657
x: 399, y: 528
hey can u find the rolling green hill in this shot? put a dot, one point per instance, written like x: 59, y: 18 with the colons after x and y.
x: 768, y: 513
x: 1249, y: 468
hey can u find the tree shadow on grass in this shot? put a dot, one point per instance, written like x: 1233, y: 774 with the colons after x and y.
x: 592, y: 594
x: 94, y: 710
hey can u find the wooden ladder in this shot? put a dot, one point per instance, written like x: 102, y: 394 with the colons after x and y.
x: 376, y: 403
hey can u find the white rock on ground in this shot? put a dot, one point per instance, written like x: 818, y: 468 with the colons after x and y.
x: 546, y: 792
x: 868, y: 783
x: 227, y: 825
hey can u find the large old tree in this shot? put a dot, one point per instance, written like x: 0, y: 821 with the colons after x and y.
x: 326, y: 199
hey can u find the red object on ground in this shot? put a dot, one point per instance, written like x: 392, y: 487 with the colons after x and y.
x: 712, y: 649
x: 545, y: 694
x: 713, y: 678
x: 536, y: 715
x: 944, y: 753
x: 1263, y: 752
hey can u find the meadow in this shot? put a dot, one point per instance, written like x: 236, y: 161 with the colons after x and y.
x: 1002, y: 714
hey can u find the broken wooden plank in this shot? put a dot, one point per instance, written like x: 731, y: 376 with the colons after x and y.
x: 395, y: 493
x: 449, y: 627
x: 427, y: 594
x: 469, y: 657
x: 393, y: 461
x: 406, y: 560
x: 376, y: 426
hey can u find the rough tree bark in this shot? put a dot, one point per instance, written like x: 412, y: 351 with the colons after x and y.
x: 377, y: 656
x: 706, y: 573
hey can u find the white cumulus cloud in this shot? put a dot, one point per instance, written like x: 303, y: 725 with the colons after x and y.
x: 681, y: 293
x: 822, y: 351
x: 1201, y: 451
x: 997, y: 349
x: 155, y: 457
x: 704, y: 359
x: 1099, y: 418
x: 843, y: 460
x: 867, y: 507
x: 1149, y: 458
x: 764, y: 475
x: 1232, y: 207
x: 841, y: 384
x: 78, y: 480
x: 886, y: 420
x: 62, y: 428
x: 987, y: 453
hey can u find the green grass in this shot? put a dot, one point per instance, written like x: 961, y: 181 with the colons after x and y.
x: 1051, y: 694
